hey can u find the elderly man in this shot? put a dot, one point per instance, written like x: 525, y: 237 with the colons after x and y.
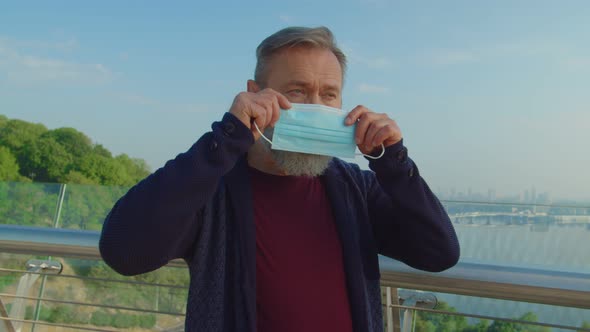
x: 278, y: 240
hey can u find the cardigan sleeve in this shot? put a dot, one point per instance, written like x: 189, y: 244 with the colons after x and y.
x: 158, y: 219
x: 408, y: 220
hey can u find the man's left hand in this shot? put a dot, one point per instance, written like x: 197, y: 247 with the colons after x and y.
x: 373, y: 129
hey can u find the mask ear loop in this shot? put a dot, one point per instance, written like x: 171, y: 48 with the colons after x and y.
x: 366, y: 155
x: 261, y: 134
x: 374, y: 158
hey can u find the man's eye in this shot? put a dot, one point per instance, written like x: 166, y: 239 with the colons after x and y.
x: 296, y: 91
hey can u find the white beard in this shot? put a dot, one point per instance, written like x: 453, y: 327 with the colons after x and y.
x: 295, y: 163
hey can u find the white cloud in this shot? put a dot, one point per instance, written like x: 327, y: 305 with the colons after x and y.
x: 25, y: 67
x: 374, y: 89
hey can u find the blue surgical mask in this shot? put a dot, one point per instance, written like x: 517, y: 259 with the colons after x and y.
x: 314, y: 129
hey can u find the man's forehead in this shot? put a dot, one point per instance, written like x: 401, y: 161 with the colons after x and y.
x: 314, y: 60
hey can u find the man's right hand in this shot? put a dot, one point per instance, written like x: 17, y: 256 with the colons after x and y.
x: 262, y: 107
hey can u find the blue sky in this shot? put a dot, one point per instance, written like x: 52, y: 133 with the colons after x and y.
x: 488, y: 94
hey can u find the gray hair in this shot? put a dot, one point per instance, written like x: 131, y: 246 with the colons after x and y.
x: 320, y: 37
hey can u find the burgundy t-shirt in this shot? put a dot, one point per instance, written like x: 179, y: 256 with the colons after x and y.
x: 300, y: 281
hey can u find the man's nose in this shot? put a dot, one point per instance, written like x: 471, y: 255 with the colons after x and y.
x: 314, y: 98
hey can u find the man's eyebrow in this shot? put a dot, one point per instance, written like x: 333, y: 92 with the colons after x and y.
x: 297, y: 83
x: 331, y: 87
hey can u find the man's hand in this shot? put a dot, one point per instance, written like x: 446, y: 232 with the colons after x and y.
x: 262, y: 107
x: 373, y: 129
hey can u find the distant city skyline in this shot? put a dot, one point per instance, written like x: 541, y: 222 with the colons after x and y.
x: 529, y: 195
x: 487, y: 95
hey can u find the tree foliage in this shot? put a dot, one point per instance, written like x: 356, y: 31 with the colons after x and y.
x: 437, y: 322
x: 63, y: 155
x: 9, y: 169
x: 434, y: 322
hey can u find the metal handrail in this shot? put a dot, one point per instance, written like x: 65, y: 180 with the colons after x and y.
x: 567, y: 289
x: 96, y: 305
x: 68, y: 326
x: 49, y: 241
x: 127, y: 281
x: 53, y: 242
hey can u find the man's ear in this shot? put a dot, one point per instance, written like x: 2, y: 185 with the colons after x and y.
x: 252, y: 86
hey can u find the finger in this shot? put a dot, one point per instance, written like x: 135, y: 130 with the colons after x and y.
x: 394, y: 136
x: 276, y: 112
x: 374, y: 128
x: 284, y: 103
x: 269, y: 103
x: 386, y: 134
x: 259, y: 116
x: 362, y: 126
x: 371, y: 141
x: 355, y: 114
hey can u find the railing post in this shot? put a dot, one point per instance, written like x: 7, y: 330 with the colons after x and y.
x: 25, y: 284
x: 62, y: 194
x: 392, y: 314
x: 388, y: 309
x: 60, y: 201
x: 8, y: 327
x: 157, y: 298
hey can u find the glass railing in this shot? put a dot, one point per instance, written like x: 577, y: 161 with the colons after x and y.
x: 524, y: 267
x: 70, y: 206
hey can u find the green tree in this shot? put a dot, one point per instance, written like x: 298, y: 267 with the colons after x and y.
x: 45, y: 160
x: 100, y: 150
x: 14, y: 134
x: 77, y: 178
x: 72, y: 140
x: 3, y: 121
x: 8, y: 166
x: 585, y: 325
x: 426, y: 321
x: 502, y: 326
x: 62, y: 155
x: 481, y: 326
x: 135, y: 169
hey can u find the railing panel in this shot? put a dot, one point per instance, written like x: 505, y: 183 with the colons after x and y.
x: 86, y: 206
x: 90, y: 295
x: 28, y: 204
x: 548, y: 237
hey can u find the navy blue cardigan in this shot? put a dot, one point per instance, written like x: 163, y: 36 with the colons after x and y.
x: 199, y: 207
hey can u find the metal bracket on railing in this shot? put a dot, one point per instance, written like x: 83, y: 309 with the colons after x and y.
x: 35, y: 268
x: 45, y: 267
x: 417, y: 299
